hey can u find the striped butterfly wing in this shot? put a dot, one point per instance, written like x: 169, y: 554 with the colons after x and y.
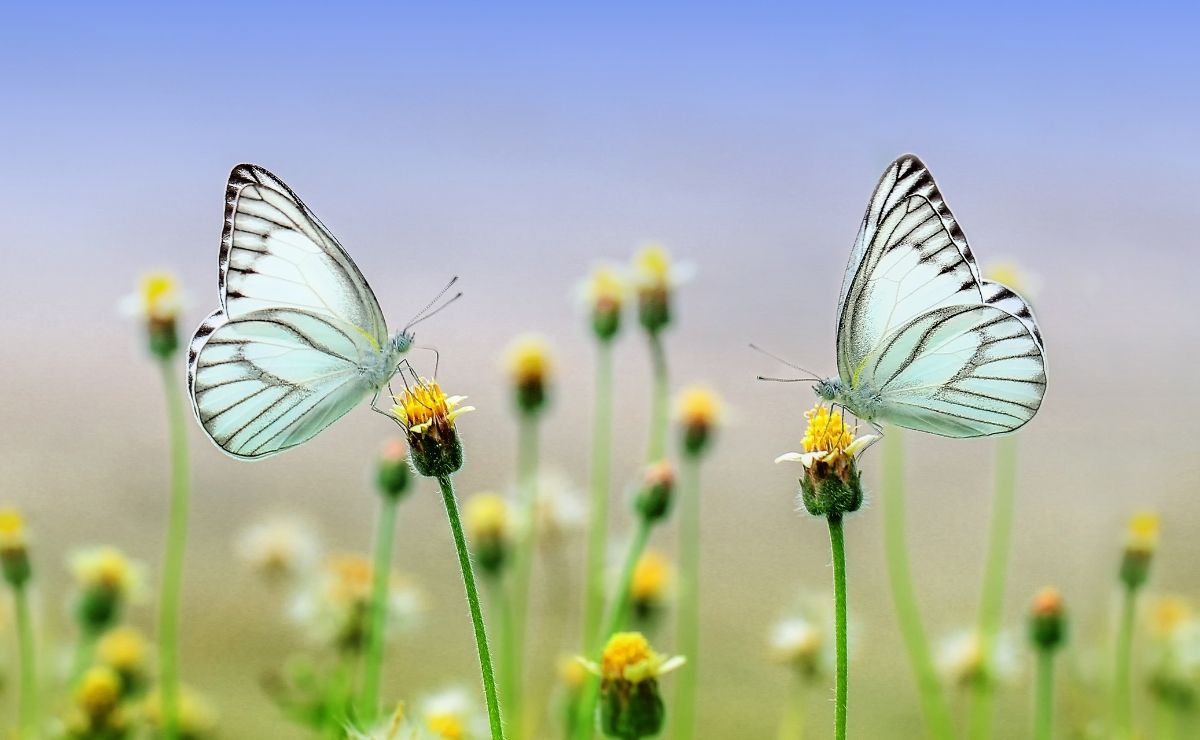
x: 272, y: 379
x: 910, y: 256
x: 959, y: 371
x: 911, y: 260
x: 275, y: 253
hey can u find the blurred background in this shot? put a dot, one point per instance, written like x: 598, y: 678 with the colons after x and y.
x: 517, y: 144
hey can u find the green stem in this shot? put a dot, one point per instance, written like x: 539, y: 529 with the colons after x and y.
x: 991, y: 607
x: 687, y: 632
x: 527, y: 470
x: 657, y: 448
x: 337, y: 697
x: 598, y: 527
x: 172, y: 578
x: 1123, y: 704
x: 791, y: 723
x: 1043, y: 723
x: 85, y: 648
x: 617, y: 615
x: 385, y: 535
x: 837, y: 542
x: 481, y: 640
x: 933, y: 702
x: 510, y: 666
x: 29, y: 684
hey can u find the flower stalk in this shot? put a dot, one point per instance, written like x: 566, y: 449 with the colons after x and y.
x: 933, y: 700
x: 1047, y: 633
x: 593, y: 606
x: 28, y: 663
x: 837, y: 543
x: 385, y: 533
x: 1140, y: 544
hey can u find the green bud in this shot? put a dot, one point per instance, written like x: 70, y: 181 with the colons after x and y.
x: 98, y: 608
x: 532, y: 396
x: 606, y: 322
x: 490, y: 554
x: 654, y: 311
x: 393, y: 474
x: 163, y: 338
x: 1135, y: 567
x: 631, y: 710
x: 1047, y: 620
x: 14, y: 563
x: 436, y: 456
x: 831, y: 489
x: 654, y: 499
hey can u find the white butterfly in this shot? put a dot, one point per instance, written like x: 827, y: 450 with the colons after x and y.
x: 923, y: 341
x: 299, y: 339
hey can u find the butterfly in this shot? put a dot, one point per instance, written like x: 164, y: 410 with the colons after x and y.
x: 299, y: 339
x: 923, y: 341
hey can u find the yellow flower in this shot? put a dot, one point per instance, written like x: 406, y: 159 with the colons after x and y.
x: 651, y: 576
x: 449, y: 714
x: 99, y: 692
x: 628, y: 657
x: 1011, y: 275
x: 699, y: 410
x: 14, y: 548
x: 427, y: 416
x: 123, y: 649
x: 605, y: 289
x: 12, y: 530
x: 158, y: 299
x: 572, y: 673
x: 528, y: 359
x: 656, y: 277
x: 830, y: 485
x: 108, y: 569
x: 1142, y: 535
x: 1168, y: 613
x: 486, y: 516
x: 798, y: 642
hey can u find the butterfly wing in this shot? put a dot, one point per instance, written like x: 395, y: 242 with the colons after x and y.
x: 272, y: 379
x: 275, y: 253
x: 910, y: 260
x: 959, y: 371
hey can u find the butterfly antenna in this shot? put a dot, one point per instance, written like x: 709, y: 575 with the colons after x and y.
x: 787, y: 380
x: 424, y: 312
x: 779, y: 359
x: 429, y: 314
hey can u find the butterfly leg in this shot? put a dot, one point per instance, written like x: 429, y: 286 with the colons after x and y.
x: 376, y: 409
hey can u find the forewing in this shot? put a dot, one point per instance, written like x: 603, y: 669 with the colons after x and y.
x: 910, y: 257
x: 959, y: 371
x: 274, y: 378
x: 276, y: 253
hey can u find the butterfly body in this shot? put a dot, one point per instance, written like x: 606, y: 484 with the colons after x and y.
x: 299, y: 338
x: 923, y: 341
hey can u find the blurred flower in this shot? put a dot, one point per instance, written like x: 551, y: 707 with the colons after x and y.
x: 451, y: 715
x: 558, y: 509
x: 157, y: 302
x: 656, y: 277
x: 572, y: 673
x: 335, y: 606
x: 486, y: 519
x: 603, y: 294
x: 831, y: 482
x: 107, y: 580
x: 96, y: 710
x: 960, y: 659
x: 197, y: 718
x: 1141, y: 540
x: 14, y: 548
x: 1174, y: 674
x: 1012, y: 275
x: 630, y: 704
x: 280, y: 548
x: 529, y: 367
x: 652, y: 577
x: 1047, y: 619
x: 396, y: 727
x: 427, y: 416
x: 392, y: 473
x: 653, y: 500
x: 124, y: 650
x: 803, y: 637
x: 699, y: 409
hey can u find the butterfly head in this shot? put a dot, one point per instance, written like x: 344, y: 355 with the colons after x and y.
x: 402, y: 341
x: 830, y: 389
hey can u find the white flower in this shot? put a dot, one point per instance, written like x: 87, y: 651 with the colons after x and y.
x: 960, y: 658
x: 280, y: 548
x: 451, y: 714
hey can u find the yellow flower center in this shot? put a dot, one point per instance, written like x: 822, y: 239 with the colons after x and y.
x: 652, y: 264
x: 1168, y: 614
x: 160, y: 295
x: 1142, y: 535
x: 650, y: 577
x: 625, y: 651
x: 12, y: 529
x: 425, y: 405
x: 446, y: 725
x: 606, y: 289
x: 123, y: 649
x: 99, y: 691
x: 486, y: 516
x: 529, y: 360
x: 826, y: 431
x: 699, y: 406
x: 1048, y: 602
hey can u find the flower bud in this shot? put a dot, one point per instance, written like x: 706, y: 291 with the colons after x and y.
x: 392, y: 472
x: 427, y: 416
x: 487, y: 524
x: 648, y: 588
x: 831, y: 484
x: 654, y: 499
x: 157, y: 302
x: 630, y: 703
x: 529, y: 368
x: 604, y: 296
x: 1047, y: 620
x: 14, y: 549
x: 655, y: 278
x: 699, y: 410
x: 1141, y: 541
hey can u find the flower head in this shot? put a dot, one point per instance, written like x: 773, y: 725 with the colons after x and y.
x: 486, y: 517
x: 653, y: 500
x: 280, y: 549
x: 450, y: 714
x: 14, y: 548
x: 655, y: 277
x: 1141, y: 540
x: 831, y: 482
x: 529, y: 368
x: 1047, y: 619
x: 652, y: 577
x: 107, y: 580
x: 961, y: 659
x: 699, y: 409
x: 392, y: 474
x: 604, y: 293
x: 558, y: 510
x: 336, y: 605
x: 1175, y: 654
x: 799, y: 642
x: 157, y: 302
x: 427, y: 416
x: 124, y: 650
x: 197, y: 718
x: 629, y: 670
x: 97, y: 704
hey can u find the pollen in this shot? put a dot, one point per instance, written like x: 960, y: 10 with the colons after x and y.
x: 425, y: 406
x: 826, y: 431
x: 625, y: 651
